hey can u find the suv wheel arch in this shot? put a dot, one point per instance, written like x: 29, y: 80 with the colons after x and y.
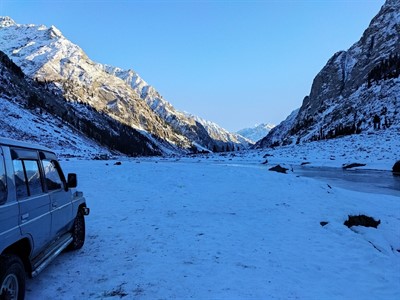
x: 22, y: 249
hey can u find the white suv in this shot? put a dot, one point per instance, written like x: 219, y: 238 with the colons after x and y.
x: 41, y: 213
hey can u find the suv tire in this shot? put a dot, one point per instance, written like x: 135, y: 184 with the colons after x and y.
x: 12, y: 278
x: 78, y: 232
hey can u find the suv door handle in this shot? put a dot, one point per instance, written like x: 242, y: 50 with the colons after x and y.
x: 24, y: 217
x: 54, y: 204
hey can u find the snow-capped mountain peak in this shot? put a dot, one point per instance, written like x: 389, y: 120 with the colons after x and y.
x: 257, y: 132
x: 6, y: 22
x: 54, y: 32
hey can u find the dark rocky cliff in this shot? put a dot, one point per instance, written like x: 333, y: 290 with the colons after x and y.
x: 358, y: 90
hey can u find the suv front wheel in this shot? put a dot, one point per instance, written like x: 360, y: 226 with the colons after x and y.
x: 78, y: 231
x: 12, y: 277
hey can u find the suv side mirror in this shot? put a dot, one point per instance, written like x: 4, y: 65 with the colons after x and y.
x: 72, y: 180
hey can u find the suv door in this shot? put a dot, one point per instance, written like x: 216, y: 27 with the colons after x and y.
x: 34, y: 203
x: 9, y: 210
x: 60, y: 196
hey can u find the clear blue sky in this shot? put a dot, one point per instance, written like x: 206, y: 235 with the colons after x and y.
x: 236, y: 63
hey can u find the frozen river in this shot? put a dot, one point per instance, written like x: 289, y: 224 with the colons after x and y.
x: 370, y: 181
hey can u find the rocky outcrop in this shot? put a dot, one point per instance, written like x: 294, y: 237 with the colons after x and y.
x: 357, y: 90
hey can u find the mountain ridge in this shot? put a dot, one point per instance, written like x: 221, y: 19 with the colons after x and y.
x: 192, y: 126
x: 45, y: 54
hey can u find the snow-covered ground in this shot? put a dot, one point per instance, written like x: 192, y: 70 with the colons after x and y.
x: 379, y: 150
x: 224, y: 227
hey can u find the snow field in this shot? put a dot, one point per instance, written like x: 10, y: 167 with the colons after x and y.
x: 379, y: 150
x: 163, y: 229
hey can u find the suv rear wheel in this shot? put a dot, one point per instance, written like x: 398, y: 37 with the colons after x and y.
x: 12, y: 278
x: 78, y: 232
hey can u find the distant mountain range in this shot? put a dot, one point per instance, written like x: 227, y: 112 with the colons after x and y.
x: 51, y: 92
x: 358, y: 90
x: 116, y: 95
x: 257, y: 132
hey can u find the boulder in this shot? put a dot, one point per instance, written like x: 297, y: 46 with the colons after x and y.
x: 362, y: 220
x: 278, y: 169
x: 396, y: 168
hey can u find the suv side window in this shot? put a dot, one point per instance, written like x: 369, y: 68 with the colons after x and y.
x: 53, y: 178
x: 27, y: 178
x: 20, y: 182
x: 3, y: 180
